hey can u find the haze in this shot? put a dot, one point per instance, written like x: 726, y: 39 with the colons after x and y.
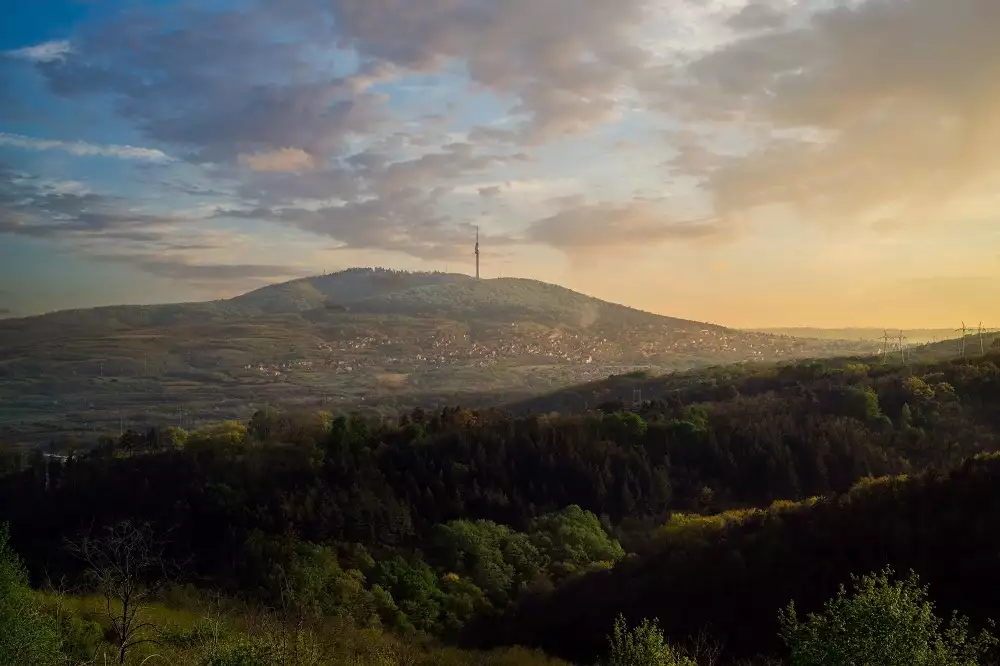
x: 754, y: 164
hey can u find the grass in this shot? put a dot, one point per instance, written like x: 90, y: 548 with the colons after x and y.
x: 191, y: 629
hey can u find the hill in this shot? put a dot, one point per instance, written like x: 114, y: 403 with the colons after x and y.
x: 734, y: 571
x: 380, y: 340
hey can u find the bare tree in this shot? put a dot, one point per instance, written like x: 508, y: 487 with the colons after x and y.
x: 125, y: 565
x: 705, y: 649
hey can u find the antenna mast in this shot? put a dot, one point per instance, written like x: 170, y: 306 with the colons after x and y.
x: 477, y: 252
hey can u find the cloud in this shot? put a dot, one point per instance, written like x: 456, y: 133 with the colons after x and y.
x: 563, y: 60
x: 82, y: 148
x: 589, y: 227
x: 758, y: 16
x: 405, y: 221
x: 104, y: 228
x: 40, y: 208
x: 374, y: 202
x: 218, y: 84
x: 883, y: 112
x: 44, y: 52
x: 299, y: 125
x: 283, y: 160
x: 185, y: 269
x: 525, y: 189
x: 483, y: 134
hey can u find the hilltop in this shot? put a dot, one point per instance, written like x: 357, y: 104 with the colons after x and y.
x: 375, y: 339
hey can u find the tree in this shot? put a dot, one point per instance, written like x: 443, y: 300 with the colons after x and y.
x: 642, y: 646
x: 174, y: 437
x: 27, y: 637
x: 905, y: 417
x: 572, y: 539
x: 414, y: 587
x: 882, y: 623
x: 496, y: 558
x: 625, y: 426
x: 317, y: 585
x: 124, y: 565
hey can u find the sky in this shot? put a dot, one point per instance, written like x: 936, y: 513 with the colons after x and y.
x: 746, y: 162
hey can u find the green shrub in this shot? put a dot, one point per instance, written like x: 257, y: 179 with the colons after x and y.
x: 28, y: 637
x: 881, y: 623
x: 642, y: 646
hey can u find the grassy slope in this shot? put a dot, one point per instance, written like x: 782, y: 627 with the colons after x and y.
x: 188, y: 627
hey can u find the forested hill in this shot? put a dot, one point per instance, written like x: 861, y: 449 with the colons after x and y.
x: 730, y: 574
x: 721, y: 382
x: 458, y: 515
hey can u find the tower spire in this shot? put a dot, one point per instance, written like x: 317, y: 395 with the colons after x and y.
x: 477, y: 252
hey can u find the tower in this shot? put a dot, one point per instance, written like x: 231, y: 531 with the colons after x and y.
x: 477, y: 252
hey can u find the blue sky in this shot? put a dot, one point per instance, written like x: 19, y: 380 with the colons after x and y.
x: 748, y: 162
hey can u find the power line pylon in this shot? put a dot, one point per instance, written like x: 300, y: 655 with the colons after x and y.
x: 902, y: 349
x: 885, y: 346
x: 963, y: 330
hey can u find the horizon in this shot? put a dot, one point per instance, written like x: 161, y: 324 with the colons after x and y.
x: 751, y: 163
x: 769, y: 328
